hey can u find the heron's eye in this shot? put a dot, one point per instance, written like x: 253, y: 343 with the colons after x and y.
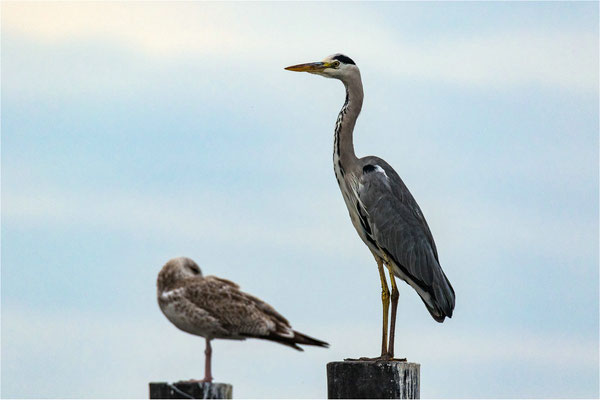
x: 335, y: 64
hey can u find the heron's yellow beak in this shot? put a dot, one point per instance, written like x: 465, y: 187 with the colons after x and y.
x: 309, y: 67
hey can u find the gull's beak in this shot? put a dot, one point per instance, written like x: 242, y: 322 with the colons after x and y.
x: 310, y: 67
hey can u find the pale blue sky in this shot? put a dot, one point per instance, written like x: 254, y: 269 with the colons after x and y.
x: 136, y: 132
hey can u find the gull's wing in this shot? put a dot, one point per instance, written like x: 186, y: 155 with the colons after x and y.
x: 242, y: 314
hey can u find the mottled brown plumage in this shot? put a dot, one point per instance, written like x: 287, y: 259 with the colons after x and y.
x: 216, y: 308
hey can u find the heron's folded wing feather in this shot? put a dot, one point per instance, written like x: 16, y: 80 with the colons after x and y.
x: 399, y: 228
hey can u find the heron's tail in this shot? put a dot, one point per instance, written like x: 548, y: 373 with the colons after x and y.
x: 442, y: 299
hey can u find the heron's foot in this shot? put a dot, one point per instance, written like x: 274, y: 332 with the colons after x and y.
x: 383, y: 357
x: 205, y: 380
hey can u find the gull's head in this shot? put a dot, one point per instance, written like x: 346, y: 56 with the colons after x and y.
x: 336, y: 66
x: 177, y: 269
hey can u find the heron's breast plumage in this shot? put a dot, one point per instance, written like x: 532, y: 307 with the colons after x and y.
x: 348, y: 184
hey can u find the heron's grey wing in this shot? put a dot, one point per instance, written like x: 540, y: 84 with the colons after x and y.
x: 397, y: 226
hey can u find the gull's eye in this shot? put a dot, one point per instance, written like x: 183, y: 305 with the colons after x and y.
x: 335, y: 64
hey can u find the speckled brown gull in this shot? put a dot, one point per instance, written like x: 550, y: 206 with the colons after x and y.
x: 216, y: 308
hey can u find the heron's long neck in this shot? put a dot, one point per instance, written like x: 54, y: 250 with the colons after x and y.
x: 343, y: 148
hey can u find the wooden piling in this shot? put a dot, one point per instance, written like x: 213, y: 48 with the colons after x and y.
x: 190, y: 390
x: 373, y: 380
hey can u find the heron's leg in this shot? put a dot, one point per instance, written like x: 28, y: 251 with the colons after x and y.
x: 385, y: 300
x: 395, y: 295
x: 207, y: 362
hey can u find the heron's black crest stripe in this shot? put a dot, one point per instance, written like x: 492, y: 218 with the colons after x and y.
x: 368, y: 168
x: 344, y: 59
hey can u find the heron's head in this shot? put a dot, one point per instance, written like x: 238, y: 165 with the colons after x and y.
x: 336, y: 66
x: 177, y: 269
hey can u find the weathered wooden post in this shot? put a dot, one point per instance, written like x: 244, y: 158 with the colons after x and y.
x: 358, y: 379
x: 190, y: 390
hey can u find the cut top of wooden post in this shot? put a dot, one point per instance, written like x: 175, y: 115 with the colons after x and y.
x: 190, y: 390
x: 373, y: 380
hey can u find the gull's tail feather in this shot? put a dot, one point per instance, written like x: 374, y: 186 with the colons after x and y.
x: 294, y: 341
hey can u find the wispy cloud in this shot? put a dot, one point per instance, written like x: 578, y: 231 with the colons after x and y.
x: 528, y: 56
x: 158, y: 29
x: 175, y: 217
x: 212, y: 215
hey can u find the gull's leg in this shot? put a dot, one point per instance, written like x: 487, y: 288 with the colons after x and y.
x: 395, y: 296
x: 207, y: 370
x: 385, y: 300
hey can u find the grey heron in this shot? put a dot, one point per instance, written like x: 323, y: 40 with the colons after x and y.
x: 382, y: 209
x: 216, y: 308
